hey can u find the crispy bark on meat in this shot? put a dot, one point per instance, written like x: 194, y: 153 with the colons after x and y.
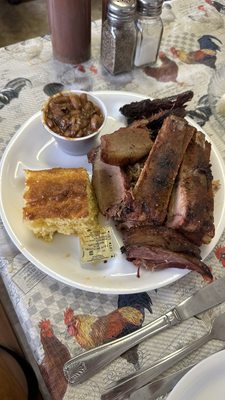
x: 155, y: 121
x: 109, y: 183
x: 191, y: 205
x: 145, y: 108
x: 153, y: 189
x: 157, y: 258
x: 159, y: 236
x: 155, y: 125
x: 125, y: 146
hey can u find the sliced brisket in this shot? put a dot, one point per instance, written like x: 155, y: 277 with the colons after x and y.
x: 159, y: 236
x: 154, y: 186
x: 156, y: 258
x: 125, y: 146
x: 109, y: 183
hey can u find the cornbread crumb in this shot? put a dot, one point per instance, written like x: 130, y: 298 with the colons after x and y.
x: 59, y: 200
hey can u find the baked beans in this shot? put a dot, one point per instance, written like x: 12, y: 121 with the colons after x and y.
x: 72, y: 115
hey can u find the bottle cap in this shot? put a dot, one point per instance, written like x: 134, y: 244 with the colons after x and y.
x: 121, y: 9
x: 151, y: 8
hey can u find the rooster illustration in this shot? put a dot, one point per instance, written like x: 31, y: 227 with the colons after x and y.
x: 12, y: 89
x: 205, y: 55
x: 220, y: 254
x: 202, y: 112
x: 91, y: 331
x: 166, y: 72
x: 218, y: 6
x: 55, y: 356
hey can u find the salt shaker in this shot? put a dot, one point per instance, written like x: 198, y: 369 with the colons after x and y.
x: 149, y: 31
x: 119, y: 36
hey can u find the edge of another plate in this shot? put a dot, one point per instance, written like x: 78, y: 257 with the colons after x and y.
x: 196, y: 378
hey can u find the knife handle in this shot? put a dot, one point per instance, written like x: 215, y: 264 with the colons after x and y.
x: 87, y: 364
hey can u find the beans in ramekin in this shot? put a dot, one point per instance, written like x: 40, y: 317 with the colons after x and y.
x: 72, y: 115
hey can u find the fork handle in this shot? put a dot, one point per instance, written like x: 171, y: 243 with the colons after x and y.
x: 87, y: 364
x: 135, y: 381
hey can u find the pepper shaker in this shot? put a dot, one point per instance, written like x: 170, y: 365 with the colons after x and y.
x: 149, y: 31
x: 119, y: 36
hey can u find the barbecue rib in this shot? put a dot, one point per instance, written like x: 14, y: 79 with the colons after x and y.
x: 191, y: 204
x: 154, y: 186
x: 125, y: 146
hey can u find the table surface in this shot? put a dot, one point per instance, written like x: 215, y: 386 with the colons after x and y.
x: 40, y: 297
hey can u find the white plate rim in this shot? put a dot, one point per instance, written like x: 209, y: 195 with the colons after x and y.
x: 199, y: 371
x: 175, y: 273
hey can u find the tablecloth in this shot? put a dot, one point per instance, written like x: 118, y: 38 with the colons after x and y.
x: 28, y: 75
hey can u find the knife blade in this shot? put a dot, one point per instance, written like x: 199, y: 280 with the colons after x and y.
x: 155, y: 389
x: 85, y: 365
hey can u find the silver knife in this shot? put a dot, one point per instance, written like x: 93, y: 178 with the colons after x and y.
x: 154, y: 389
x: 85, y: 365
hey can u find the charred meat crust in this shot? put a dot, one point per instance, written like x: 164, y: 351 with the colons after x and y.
x: 191, y: 205
x: 154, y: 186
x: 145, y: 108
x: 155, y: 121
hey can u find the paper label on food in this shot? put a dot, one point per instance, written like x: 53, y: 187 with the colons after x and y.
x: 97, y: 245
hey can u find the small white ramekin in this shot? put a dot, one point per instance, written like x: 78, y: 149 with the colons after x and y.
x: 82, y: 145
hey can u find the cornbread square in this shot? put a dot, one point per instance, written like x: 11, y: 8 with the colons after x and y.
x: 59, y: 200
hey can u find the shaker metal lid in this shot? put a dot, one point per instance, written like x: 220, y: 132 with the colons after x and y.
x: 149, y: 7
x: 121, y: 9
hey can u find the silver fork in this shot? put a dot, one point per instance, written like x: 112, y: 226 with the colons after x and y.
x: 126, y: 386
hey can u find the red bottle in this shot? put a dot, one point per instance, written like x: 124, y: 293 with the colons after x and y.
x: 104, y: 9
x: 70, y: 25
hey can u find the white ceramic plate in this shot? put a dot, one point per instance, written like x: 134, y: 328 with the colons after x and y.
x: 33, y: 148
x: 206, y: 381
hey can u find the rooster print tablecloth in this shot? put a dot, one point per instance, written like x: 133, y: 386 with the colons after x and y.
x: 59, y: 321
